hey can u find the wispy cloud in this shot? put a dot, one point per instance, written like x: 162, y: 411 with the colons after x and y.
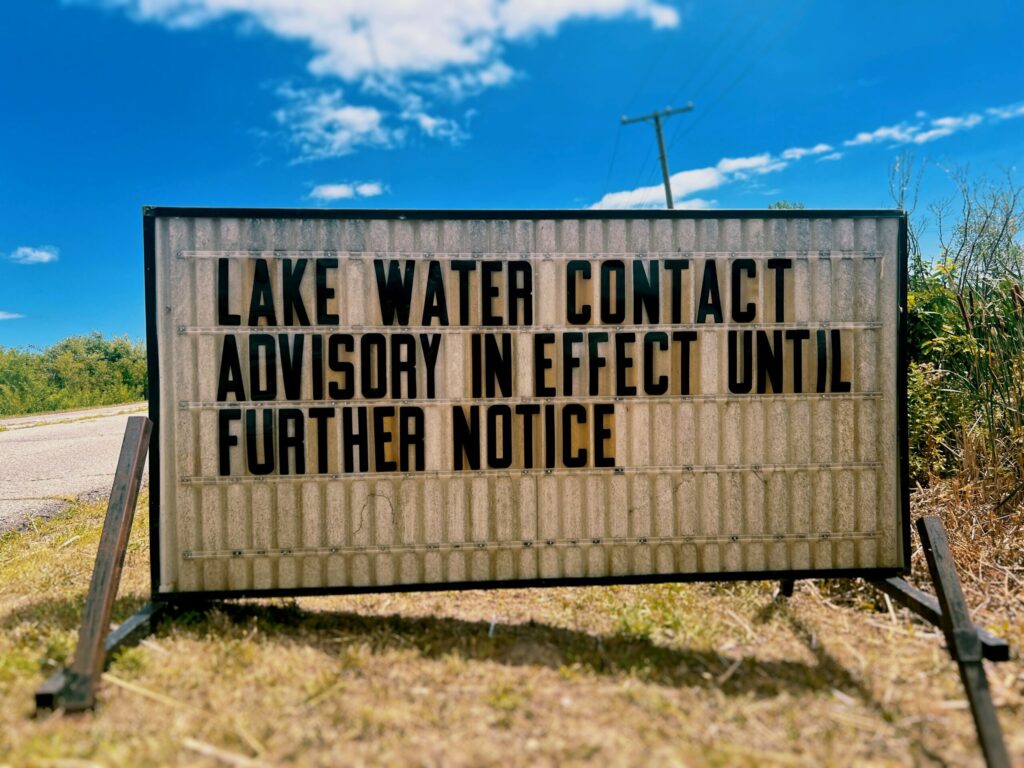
x: 918, y: 133
x: 322, y: 125
x: 10, y: 315
x: 1006, y: 113
x: 347, y: 190
x: 436, y: 127
x: 743, y: 164
x: 732, y: 169
x: 796, y: 153
x: 350, y: 39
x: 896, y: 133
x: 40, y: 254
x: 417, y: 58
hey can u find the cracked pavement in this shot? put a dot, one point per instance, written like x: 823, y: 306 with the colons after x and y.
x: 47, y: 460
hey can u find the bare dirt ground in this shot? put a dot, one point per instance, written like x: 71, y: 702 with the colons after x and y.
x: 47, y: 460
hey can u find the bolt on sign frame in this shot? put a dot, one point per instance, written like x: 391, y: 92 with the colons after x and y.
x: 353, y: 401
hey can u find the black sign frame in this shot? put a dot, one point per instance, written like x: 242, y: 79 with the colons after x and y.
x: 151, y: 213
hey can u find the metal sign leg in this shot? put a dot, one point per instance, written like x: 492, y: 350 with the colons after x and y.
x: 965, y: 646
x: 968, y: 643
x: 74, y: 688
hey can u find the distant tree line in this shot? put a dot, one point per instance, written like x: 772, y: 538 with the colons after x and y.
x: 78, y: 372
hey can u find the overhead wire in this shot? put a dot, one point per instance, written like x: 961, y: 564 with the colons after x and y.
x: 722, y: 63
x: 687, y: 87
x: 655, y: 60
x: 727, y: 30
x: 615, y: 150
x: 773, y: 41
x: 755, y: 22
x: 643, y: 83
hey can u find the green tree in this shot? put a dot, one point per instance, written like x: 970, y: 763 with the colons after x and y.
x: 77, y: 372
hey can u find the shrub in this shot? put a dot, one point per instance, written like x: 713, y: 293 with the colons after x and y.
x: 929, y: 423
x: 966, y: 333
x: 78, y: 372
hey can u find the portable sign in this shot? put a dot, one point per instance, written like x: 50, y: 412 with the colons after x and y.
x: 370, y: 400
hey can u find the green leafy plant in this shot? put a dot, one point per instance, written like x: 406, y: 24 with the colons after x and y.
x: 78, y: 372
x: 966, y: 333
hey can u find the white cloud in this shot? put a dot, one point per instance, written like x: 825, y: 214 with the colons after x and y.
x: 1006, y: 113
x: 322, y: 125
x: 663, y: 16
x: 451, y: 86
x: 525, y: 18
x: 42, y: 254
x: 396, y: 49
x: 732, y: 164
x: 694, y: 204
x: 641, y: 197
x: 333, y: 192
x: 369, y: 189
x: 731, y: 169
x: 918, y: 133
x: 10, y: 315
x: 796, y: 153
x: 436, y: 127
x: 946, y: 126
x: 347, y: 190
x: 686, y: 183
x: 898, y: 133
x: 430, y: 125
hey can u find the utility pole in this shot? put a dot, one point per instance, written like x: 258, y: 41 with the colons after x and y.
x: 657, y: 117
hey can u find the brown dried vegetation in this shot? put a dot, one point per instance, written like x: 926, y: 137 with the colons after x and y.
x: 669, y: 675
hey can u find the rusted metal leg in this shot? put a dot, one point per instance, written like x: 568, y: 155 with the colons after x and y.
x: 786, y: 587
x: 965, y: 646
x: 927, y: 607
x: 75, y: 687
x: 142, y: 622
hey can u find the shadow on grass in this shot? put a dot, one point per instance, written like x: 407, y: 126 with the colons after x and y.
x: 830, y: 667
x: 529, y: 645
x: 64, y: 615
x: 521, y: 645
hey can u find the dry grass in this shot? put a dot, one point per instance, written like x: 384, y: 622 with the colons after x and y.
x: 986, y: 539
x: 666, y: 675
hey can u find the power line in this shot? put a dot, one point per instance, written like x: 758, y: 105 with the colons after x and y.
x: 650, y: 71
x: 701, y: 68
x: 615, y: 150
x: 721, y: 64
x: 643, y: 82
x: 657, y: 117
x: 797, y: 16
x: 642, y: 172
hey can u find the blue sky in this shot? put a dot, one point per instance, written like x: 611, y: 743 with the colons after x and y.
x: 112, y: 104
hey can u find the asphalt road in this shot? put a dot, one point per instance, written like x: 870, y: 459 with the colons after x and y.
x: 47, y: 460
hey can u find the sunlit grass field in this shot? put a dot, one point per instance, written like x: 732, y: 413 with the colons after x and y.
x: 657, y: 675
